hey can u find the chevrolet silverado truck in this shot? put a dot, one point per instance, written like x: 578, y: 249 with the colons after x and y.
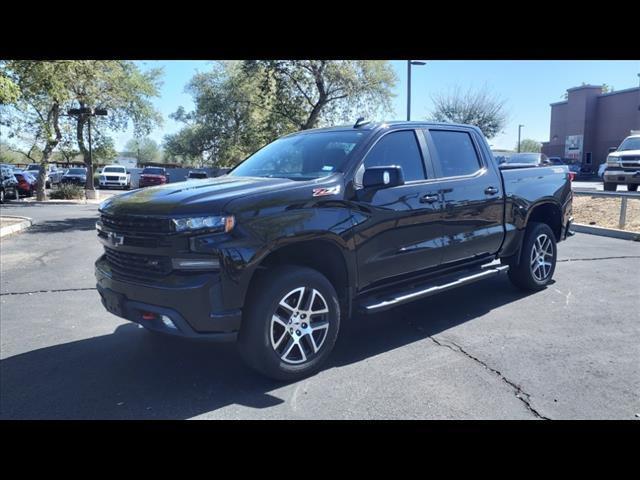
x: 320, y: 225
x: 623, y: 166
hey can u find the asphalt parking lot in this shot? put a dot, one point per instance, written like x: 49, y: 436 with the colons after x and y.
x: 484, y: 351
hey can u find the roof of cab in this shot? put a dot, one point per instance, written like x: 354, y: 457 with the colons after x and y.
x: 370, y: 126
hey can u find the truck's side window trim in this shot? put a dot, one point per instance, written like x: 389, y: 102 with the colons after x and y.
x: 433, y: 152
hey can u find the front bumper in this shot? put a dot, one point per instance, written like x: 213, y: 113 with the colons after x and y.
x: 622, y: 176
x: 188, y: 300
x: 112, y: 183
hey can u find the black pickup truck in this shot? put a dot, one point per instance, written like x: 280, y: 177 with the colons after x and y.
x: 320, y: 224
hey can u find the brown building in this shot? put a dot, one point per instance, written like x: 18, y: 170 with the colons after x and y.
x: 589, y: 124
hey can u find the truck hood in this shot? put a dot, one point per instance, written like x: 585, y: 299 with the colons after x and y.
x: 201, y: 197
x: 625, y: 153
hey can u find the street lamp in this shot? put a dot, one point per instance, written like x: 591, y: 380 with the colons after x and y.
x: 519, y: 129
x: 409, y: 63
x: 89, y: 112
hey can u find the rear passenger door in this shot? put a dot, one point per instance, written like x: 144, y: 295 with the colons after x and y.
x: 400, y: 232
x: 471, y: 192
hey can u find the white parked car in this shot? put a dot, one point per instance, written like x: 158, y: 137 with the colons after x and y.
x: 53, y: 175
x: 114, y: 176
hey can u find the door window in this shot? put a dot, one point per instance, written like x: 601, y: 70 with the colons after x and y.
x: 456, y: 153
x: 398, y: 148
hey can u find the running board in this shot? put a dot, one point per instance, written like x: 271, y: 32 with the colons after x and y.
x: 380, y: 303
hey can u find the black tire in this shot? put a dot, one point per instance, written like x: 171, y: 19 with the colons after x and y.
x: 610, y: 187
x: 255, y: 338
x: 632, y: 188
x: 1, y: 195
x: 534, y: 277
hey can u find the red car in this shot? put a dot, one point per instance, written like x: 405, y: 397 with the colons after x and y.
x: 153, y: 176
x: 26, y: 183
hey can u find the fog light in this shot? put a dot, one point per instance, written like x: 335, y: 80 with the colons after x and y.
x: 167, y: 321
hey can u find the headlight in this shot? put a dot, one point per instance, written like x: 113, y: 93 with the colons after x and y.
x: 611, y: 160
x: 102, y: 178
x: 223, y: 224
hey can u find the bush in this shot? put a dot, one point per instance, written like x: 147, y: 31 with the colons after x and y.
x: 67, y: 192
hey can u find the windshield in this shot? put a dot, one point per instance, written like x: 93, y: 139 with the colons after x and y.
x: 33, y: 166
x: 532, y: 158
x: 114, y: 169
x: 632, y: 143
x: 301, y: 157
x: 153, y: 171
x: 197, y: 175
x: 76, y: 171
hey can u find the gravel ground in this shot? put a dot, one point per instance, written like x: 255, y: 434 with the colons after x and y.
x: 605, y: 212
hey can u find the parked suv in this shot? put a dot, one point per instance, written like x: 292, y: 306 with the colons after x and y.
x: 319, y: 224
x: 197, y: 175
x: 623, y: 165
x: 114, y: 176
x: 53, y: 175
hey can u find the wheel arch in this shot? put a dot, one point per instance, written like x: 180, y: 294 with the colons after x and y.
x: 321, y: 254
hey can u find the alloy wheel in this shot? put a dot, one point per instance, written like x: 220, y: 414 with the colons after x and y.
x: 541, y: 257
x: 299, y: 325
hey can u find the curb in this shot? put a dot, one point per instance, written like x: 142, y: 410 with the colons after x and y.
x: 605, y: 232
x: 16, y: 227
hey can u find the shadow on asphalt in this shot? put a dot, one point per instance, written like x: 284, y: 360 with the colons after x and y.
x: 66, y: 225
x: 135, y: 374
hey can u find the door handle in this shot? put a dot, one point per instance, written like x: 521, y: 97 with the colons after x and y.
x: 430, y: 198
x: 490, y: 190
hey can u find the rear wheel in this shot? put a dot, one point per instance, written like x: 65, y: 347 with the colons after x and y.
x: 632, y: 188
x: 610, y: 187
x: 1, y: 195
x: 537, y: 259
x: 291, y: 324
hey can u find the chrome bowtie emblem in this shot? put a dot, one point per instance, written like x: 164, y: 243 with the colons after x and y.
x: 116, y: 239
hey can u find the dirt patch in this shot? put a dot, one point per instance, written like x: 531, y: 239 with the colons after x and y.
x: 605, y: 212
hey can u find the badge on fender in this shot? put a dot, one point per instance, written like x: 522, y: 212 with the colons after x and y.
x: 321, y: 192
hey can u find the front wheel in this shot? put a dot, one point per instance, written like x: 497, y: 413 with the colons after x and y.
x: 290, y: 324
x: 537, y: 260
x: 632, y: 188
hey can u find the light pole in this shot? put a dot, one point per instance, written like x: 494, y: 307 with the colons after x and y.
x: 89, y: 112
x: 409, y: 63
x: 519, y: 129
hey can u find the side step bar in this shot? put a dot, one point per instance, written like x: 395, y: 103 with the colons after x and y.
x: 380, y: 303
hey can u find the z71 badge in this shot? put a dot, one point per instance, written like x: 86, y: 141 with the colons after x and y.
x: 321, y: 192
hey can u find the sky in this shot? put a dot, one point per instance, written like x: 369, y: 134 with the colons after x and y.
x: 528, y: 87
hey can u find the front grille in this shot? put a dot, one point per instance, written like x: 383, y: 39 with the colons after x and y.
x: 112, y: 179
x: 132, y: 223
x: 136, y: 265
x: 630, y: 158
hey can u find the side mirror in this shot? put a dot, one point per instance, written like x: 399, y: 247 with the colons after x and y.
x: 383, y: 177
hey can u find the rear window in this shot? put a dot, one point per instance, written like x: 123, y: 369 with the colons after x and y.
x: 456, y: 153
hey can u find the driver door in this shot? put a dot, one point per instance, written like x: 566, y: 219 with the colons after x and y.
x: 399, y: 233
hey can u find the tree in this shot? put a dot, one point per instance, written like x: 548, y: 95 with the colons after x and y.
x: 123, y: 90
x: 34, y: 116
x: 480, y: 108
x: 306, y: 93
x: 528, y: 145
x: 145, y: 149
x: 241, y: 106
x: 9, y: 91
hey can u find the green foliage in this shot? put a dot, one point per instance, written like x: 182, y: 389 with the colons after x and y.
x: 241, y: 106
x: 9, y: 91
x: 529, y: 145
x: 145, y: 149
x: 67, y: 191
x: 480, y: 108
